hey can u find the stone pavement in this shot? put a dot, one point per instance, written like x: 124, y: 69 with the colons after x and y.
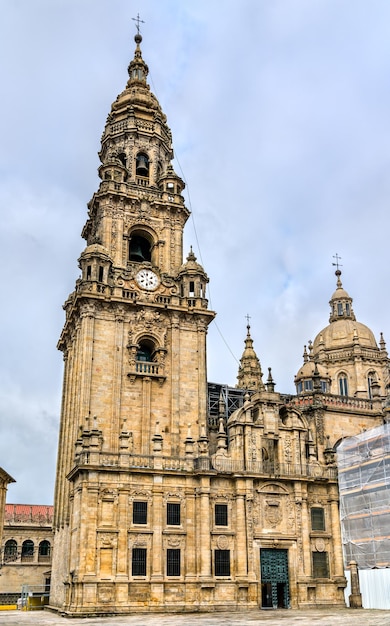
x: 321, y: 617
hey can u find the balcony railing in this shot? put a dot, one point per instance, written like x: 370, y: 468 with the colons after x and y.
x: 219, y: 464
x: 335, y: 401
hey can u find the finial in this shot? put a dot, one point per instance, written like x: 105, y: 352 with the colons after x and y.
x: 191, y: 256
x: 248, y: 317
x: 270, y: 381
x: 338, y: 271
x: 305, y: 355
x: 337, y: 264
x: 138, y: 21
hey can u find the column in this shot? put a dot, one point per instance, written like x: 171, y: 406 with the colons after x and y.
x: 338, y: 561
x: 205, y: 525
x: 241, y: 540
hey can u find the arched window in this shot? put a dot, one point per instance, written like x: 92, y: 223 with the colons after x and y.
x: 343, y: 385
x: 44, y: 550
x: 10, y: 550
x: 122, y: 158
x: 140, y: 249
x: 27, y: 550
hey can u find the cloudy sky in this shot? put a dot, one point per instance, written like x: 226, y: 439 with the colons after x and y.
x: 279, y: 111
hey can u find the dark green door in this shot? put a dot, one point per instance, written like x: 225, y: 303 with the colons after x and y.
x: 274, y: 579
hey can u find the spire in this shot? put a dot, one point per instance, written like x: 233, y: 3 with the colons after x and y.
x: 249, y: 372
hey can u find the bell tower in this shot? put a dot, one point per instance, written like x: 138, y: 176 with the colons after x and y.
x: 134, y: 344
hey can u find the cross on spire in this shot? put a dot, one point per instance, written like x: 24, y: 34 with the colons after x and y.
x: 248, y: 317
x: 338, y: 258
x: 138, y: 22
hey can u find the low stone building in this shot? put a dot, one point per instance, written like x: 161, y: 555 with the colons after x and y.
x: 26, y: 549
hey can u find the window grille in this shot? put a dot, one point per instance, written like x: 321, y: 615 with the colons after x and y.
x: 320, y: 565
x: 317, y: 518
x: 138, y: 562
x: 173, y: 562
x: 222, y: 562
x: 173, y: 514
x: 140, y: 512
x: 221, y: 515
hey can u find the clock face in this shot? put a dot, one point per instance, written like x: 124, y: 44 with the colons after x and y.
x: 147, y: 279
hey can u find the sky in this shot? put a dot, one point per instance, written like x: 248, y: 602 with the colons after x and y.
x: 279, y: 111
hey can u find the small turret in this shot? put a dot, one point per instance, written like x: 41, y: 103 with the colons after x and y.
x: 249, y: 372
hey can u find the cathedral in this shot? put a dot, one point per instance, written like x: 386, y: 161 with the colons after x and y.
x: 164, y: 499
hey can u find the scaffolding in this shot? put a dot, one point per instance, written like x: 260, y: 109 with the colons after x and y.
x: 364, y: 483
x: 222, y: 397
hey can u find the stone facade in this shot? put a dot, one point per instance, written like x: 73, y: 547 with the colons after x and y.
x: 157, y: 506
x: 26, y: 547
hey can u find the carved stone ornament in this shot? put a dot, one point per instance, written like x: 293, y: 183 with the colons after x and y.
x: 320, y: 544
x: 174, y: 542
x: 107, y: 540
x: 223, y: 542
x: 273, y: 513
x: 106, y: 593
x: 140, y: 540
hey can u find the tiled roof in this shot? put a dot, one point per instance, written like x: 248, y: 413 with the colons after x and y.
x: 28, y: 513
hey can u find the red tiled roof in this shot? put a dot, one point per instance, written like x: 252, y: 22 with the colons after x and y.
x: 36, y: 513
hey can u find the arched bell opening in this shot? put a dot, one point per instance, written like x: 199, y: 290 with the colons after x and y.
x: 145, y: 351
x: 140, y: 248
x: 142, y: 167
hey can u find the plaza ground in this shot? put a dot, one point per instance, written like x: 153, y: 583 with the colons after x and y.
x: 320, y: 617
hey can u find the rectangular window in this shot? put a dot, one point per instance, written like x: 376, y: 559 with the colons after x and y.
x: 221, y: 515
x: 173, y: 562
x: 317, y: 518
x: 173, y: 514
x: 140, y: 512
x: 320, y: 565
x: 222, y: 562
x: 138, y: 562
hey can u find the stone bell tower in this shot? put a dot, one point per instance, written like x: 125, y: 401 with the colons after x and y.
x: 135, y: 387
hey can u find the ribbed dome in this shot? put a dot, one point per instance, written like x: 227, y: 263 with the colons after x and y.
x: 343, y: 333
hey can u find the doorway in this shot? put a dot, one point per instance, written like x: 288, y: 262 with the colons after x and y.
x: 274, y: 579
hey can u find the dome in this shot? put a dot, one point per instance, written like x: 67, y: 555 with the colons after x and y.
x: 343, y: 333
x: 343, y: 330
x: 95, y: 250
x: 308, y: 368
x: 191, y: 266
